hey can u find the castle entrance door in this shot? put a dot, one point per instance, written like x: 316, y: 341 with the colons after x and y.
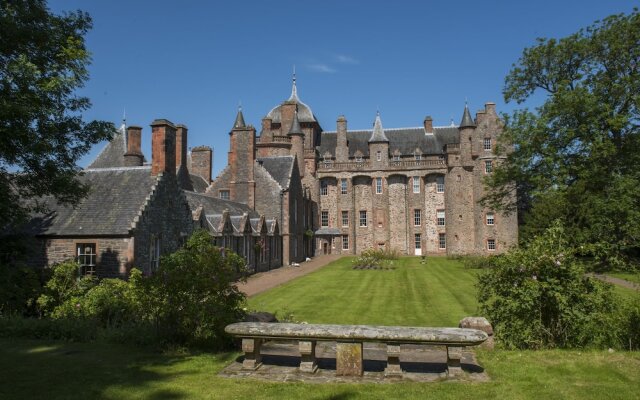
x: 325, y: 248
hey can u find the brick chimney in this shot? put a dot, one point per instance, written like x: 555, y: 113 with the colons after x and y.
x: 428, y: 124
x: 181, y: 145
x: 133, y: 157
x: 163, y: 147
x: 342, y: 150
x: 201, y: 160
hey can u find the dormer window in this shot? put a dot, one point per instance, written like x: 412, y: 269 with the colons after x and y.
x: 358, y: 158
x: 417, y: 155
x: 378, y: 156
x: 396, y: 157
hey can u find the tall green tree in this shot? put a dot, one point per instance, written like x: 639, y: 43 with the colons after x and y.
x: 43, y: 61
x: 576, y: 157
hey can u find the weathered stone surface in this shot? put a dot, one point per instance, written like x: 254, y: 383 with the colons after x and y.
x: 260, y: 316
x: 307, y: 356
x: 388, y: 334
x: 454, y: 355
x: 482, y: 324
x: 393, y: 361
x: 252, y: 356
x: 349, y: 359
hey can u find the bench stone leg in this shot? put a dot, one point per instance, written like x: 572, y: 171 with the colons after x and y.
x: 454, y: 355
x: 307, y: 356
x: 252, y: 356
x: 349, y: 359
x: 393, y: 361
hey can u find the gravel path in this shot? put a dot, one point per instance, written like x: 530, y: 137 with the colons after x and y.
x: 263, y: 281
x: 617, y: 281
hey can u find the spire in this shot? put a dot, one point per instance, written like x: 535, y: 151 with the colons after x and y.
x: 295, y: 125
x: 294, y: 90
x: 467, y: 121
x: 239, y: 119
x: 378, y: 132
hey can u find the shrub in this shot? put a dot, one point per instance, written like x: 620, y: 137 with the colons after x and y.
x: 477, y: 262
x: 375, y: 258
x: 538, y: 297
x: 192, y: 296
x: 20, y: 286
x: 65, y: 284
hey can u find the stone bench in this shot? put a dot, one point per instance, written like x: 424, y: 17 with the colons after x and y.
x: 350, y: 339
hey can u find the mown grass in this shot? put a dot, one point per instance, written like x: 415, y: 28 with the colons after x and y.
x: 51, y: 370
x: 439, y: 293
x: 627, y: 276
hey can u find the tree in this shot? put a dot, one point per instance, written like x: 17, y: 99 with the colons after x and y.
x: 576, y: 156
x: 43, y: 60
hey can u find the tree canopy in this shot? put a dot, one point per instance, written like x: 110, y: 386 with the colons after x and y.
x: 575, y: 157
x: 43, y: 61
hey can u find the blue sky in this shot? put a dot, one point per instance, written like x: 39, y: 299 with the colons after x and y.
x: 193, y: 62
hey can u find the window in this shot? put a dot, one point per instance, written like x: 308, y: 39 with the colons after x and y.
x: 343, y: 186
x: 418, y: 156
x: 224, y: 194
x: 488, y: 167
x: 491, y: 244
x: 324, y: 190
x: 324, y: 218
x: 86, y: 258
x: 345, y: 218
x: 345, y: 242
x: 379, y: 156
x: 378, y: 185
x: 396, y: 157
x: 490, y: 219
x: 442, y: 241
x: 417, y: 239
x: 154, y: 252
x: 416, y: 184
x: 363, y: 217
x: 487, y: 144
x: 358, y: 158
x: 417, y: 217
x: 440, y: 184
x: 440, y: 217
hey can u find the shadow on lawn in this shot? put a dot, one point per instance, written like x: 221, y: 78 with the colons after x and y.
x: 37, y: 369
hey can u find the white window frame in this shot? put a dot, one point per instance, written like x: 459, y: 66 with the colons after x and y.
x: 416, y: 184
x: 343, y: 186
x: 486, y: 144
x: 417, y: 241
x: 441, y: 218
x: 324, y: 218
x: 488, y: 166
x: 440, y: 184
x: 324, y: 188
x: 491, y: 245
x: 345, y: 218
x: 442, y: 241
x: 378, y: 155
x: 154, y: 252
x: 345, y: 242
x: 224, y: 194
x: 490, y: 218
x: 396, y: 157
x: 378, y: 185
x: 417, y: 156
x: 363, y: 218
x: 417, y: 217
x: 87, y: 260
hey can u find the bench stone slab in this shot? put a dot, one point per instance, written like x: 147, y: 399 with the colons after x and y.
x: 349, y: 359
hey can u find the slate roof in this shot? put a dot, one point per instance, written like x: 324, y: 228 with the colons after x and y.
x: 280, y: 168
x: 199, y: 184
x: 112, y: 155
x: 378, y: 132
x: 115, y: 197
x: 328, y: 231
x: 213, y: 205
x: 304, y: 111
x: 467, y: 121
x: 405, y: 140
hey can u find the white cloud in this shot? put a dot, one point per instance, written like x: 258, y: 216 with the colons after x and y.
x: 344, y: 59
x: 324, y: 68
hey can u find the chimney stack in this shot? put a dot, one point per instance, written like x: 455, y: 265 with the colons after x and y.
x: 181, y: 145
x: 163, y: 147
x: 428, y: 124
x: 201, y: 160
x: 133, y: 157
x: 342, y: 151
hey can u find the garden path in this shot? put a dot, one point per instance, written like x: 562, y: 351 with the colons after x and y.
x: 617, y: 281
x: 263, y: 281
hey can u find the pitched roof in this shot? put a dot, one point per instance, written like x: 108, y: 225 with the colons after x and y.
x: 115, y: 198
x: 467, y: 120
x: 239, y: 122
x: 280, y: 168
x: 198, y: 183
x: 112, y: 155
x: 403, y: 140
x: 304, y: 111
x: 378, y: 133
x: 213, y: 205
x: 295, y: 126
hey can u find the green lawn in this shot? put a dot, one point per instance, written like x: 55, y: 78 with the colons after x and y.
x: 439, y: 293
x: 46, y: 370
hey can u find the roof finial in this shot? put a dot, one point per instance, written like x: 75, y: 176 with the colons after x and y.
x: 240, y: 105
x: 294, y: 90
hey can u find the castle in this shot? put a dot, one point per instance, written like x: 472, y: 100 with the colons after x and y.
x: 290, y: 192
x: 411, y: 190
